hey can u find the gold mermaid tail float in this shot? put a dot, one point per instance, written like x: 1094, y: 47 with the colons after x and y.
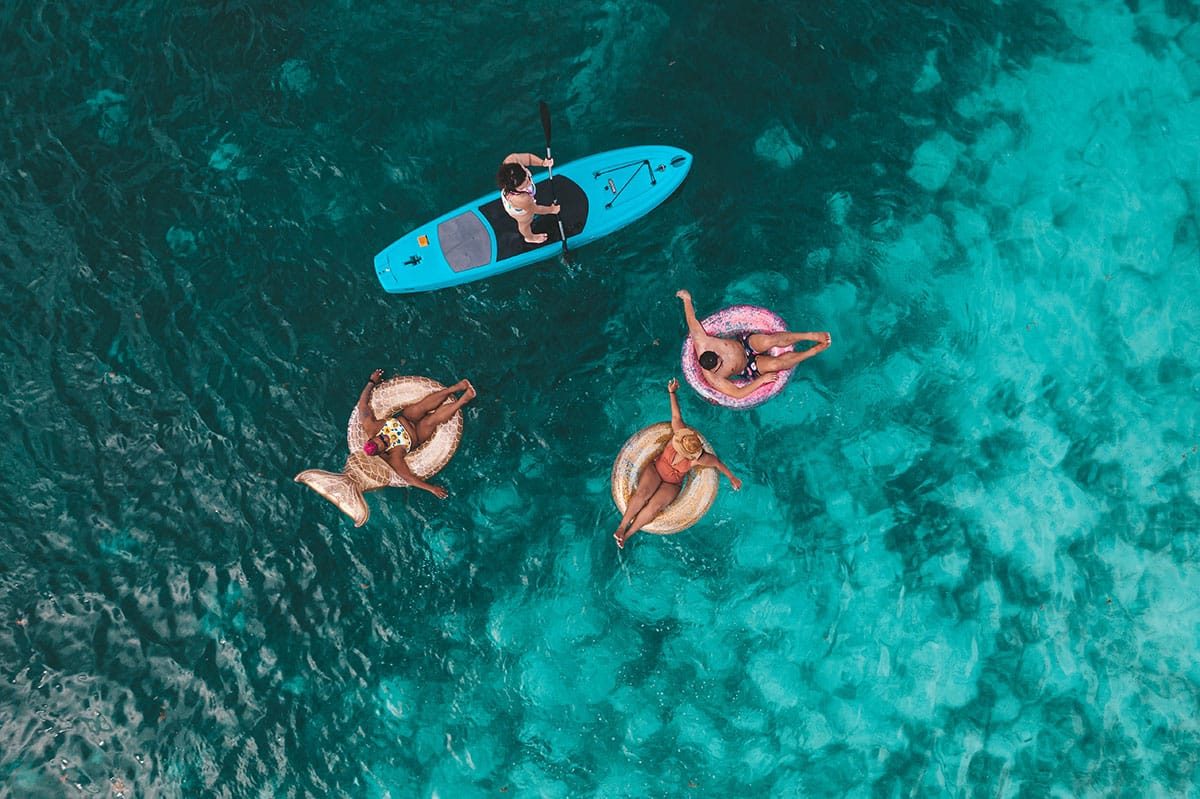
x: 364, y: 472
x: 639, y: 452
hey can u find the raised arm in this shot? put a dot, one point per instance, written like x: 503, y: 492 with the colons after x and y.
x: 676, y: 416
x: 364, y: 399
x: 528, y: 159
x: 709, y: 459
x: 696, y: 330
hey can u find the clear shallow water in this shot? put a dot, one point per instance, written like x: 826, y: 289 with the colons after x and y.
x: 963, y: 562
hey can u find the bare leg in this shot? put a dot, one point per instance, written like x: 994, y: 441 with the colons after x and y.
x: 648, y: 482
x: 663, y: 496
x: 761, y: 342
x: 525, y: 225
x: 442, y: 413
x: 415, y: 412
x: 778, y: 363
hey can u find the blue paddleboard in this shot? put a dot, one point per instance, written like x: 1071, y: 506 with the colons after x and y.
x: 597, y: 195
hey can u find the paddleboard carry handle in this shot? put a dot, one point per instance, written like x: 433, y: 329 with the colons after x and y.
x: 645, y: 162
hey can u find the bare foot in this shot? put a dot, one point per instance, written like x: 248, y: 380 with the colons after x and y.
x: 469, y: 392
x: 620, y: 539
x: 538, y: 238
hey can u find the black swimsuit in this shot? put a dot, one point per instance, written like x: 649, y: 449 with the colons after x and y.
x: 751, y: 370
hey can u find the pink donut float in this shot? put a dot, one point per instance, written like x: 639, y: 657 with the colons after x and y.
x: 732, y: 322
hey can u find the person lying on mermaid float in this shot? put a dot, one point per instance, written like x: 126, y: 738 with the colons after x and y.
x: 748, y: 357
x: 392, y: 437
x: 661, y: 480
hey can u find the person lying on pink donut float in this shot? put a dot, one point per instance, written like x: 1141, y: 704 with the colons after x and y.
x: 746, y: 357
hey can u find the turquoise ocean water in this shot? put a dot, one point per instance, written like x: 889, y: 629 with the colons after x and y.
x: 965, y: 558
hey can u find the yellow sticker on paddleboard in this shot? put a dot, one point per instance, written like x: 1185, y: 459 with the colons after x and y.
x: 423, y: 241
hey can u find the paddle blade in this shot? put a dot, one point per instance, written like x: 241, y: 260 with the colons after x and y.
x: 566, y: 254
x: 545, y: 109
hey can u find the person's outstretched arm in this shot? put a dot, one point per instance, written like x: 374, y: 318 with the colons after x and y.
x: 364, y: 399
x: 695, y: 329
x: 709, y: 459
x: 732, y: 389
x: 397, y: 462
x: 528, y: 159
x: 676, y: 416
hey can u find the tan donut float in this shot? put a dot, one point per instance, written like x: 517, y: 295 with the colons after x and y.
x: 364, y: 472
x: 699, y: 489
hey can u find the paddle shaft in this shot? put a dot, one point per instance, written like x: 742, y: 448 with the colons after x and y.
x: 545, y: 111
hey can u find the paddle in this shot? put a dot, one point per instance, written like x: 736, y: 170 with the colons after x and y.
x: 545, y: 109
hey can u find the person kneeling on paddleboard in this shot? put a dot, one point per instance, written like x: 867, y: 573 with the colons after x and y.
x: 393, y: 437
x: 518, y: 194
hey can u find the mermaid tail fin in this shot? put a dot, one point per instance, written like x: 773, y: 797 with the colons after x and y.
x: 340, y: 489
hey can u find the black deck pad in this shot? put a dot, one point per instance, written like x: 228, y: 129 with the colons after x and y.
x: 574, y: 206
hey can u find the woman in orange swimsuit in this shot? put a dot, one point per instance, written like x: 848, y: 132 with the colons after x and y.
x: 660, y: 482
